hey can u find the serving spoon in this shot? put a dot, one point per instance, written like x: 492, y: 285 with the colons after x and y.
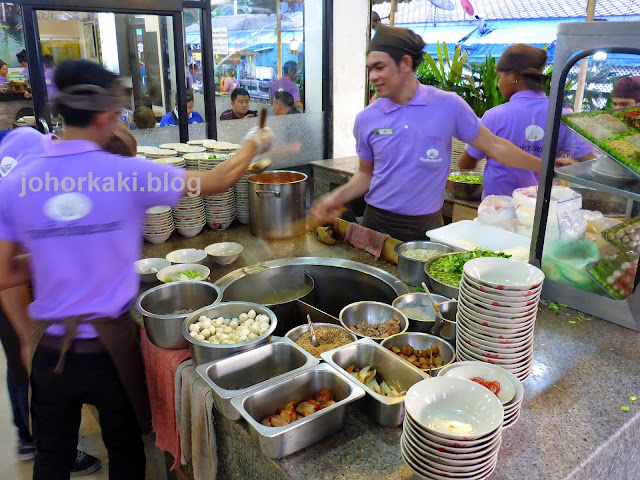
x: 439, y: 319
x: 264, y: 163
x: 313, y: 332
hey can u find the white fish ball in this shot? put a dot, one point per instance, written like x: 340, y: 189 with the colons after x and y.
x: 248, y: 323
x: 205, y: 323
x: 234, y: 323
x: 201, y: 338
x: 233, y: 338
x: 264, y: 327
x: 251, y: 314
x: 224, y: 336
x: 225, y: 342
x: 205, y: 333
x: 255, y: 328
x: 219, y: 329
x: 193, y: 334
x: 203, y: 318
x: 244, y: 331
x: 227, y: 321
x: 194, y: 327
x: 218, y: 335
x: 215, y: 341
x: 243, y: 338
x: 218, y: 322
x: 227, y: 330
x: 243, y: 317
x: 251, y: 336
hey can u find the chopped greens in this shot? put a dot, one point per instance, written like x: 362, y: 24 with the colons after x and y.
x: 185, y: 276
x: 466, y: 178
x: 562, y: 305
x: 632, y: 398
x: 554, y: 307
x: 624, y: 408
x: 448, y: 268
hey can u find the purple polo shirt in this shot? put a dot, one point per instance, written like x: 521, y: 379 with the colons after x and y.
x: 230, y: 84
x: 52, y: 90
x: 21, y: 144
x: 83, y: 241
x: 522, y: 120
x: 286, y: 84
x: 410, y: 147
x: 26, y: 72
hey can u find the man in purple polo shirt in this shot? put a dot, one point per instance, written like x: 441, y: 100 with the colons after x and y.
x: 286, y: 83
x: 521, y: 120
x: 403, y: 140
x: 79, y: 212
x: 22, y: 60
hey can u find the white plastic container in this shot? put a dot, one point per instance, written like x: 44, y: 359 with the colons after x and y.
x: 467, y: 235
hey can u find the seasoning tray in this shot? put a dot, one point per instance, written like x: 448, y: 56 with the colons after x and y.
x: 610, y: 235
x: 278, y: 442
x: 386, y: 411
x: 602, y: 271
x: 253, y: 369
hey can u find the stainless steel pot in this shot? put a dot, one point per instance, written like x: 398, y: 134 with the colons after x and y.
x: 411, y: 271
x: 277, y: 205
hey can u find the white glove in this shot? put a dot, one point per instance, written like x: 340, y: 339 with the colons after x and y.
x: 263, y: 138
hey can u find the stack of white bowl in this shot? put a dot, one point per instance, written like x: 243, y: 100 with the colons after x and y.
x: 183, y: 148
x: 221, y: 147
x: 220, y: 209
x: 497, y: 309
x: 189, y: 216
x: 511, y: 391
x: 158, y: 225
x: 155, y: 152
x: 452, y: 428
x: 242, y: 200
x: 175, y: 161
x: 192, y: 160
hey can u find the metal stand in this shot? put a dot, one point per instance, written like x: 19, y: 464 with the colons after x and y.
x: 576, y: 41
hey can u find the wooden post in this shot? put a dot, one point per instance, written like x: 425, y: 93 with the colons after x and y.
x: 584, y: 63
x: 279, y: 34
x: 392, y: 13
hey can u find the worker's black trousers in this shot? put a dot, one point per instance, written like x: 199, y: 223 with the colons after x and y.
x: 56, y: 406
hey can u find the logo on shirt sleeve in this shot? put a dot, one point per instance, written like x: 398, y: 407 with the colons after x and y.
x: 68, y: 207
x: 6, y: 165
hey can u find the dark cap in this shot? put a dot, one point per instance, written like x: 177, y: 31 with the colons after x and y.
x: 523, y: 59
x: 398, y: 42
x: 627, y: 87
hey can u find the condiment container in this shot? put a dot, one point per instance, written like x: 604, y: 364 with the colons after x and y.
x: 244, y: 372
x: 278, y: 442
x: 411, y: 271
x: 386, y: 411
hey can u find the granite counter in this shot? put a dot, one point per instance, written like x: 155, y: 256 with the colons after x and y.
x: 571, y: 425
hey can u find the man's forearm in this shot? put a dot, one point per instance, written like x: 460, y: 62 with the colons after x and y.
x: 508, y: 154
x: 354, y: 188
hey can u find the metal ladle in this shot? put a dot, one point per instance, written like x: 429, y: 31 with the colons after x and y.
x: 259, y: 166
x: 313, y: 332
x: 439, y: 318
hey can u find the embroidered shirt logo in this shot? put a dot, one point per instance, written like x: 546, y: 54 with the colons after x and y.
x: 67, y: 207
x: 432, y: 156
x: 6, y: 165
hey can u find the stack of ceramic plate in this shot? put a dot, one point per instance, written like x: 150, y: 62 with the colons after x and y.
x: 183, y: 148
x: 221, y: 147
x: 452, y: 429
x: 188, y: 216
x: 510, y: 391
x: 158, y: 224
x: 198, y: 143
x: 497, y: 309
x: 192, y: 159
x: 209, y: 161
x: 242, y: 200
x: 155, y: 152
x: 220, y: 210
x: 175, y: 161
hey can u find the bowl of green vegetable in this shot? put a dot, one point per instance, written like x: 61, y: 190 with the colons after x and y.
x: 465, y: 184
x: 183, y: 272
x: 445, y: 271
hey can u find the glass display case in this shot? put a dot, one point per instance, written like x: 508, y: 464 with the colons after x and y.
x: 586, y: 229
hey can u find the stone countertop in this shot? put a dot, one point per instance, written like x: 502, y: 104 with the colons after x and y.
x: 349, y: 165
x: 571, y: 418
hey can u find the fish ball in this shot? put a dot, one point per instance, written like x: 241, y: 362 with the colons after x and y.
x: 233, y: 338
x: 218, y: 335
x: 193, y: 334
x: 215, y: 341
x: 225, y: 342
x: 201, y: 338
x: 227, y: 330
x: 205, y: 333
x: 251, y: 314
x: 264, y: 327
x: 218, y: 322
x: 244, y: 331
x: 227, y: 321
x: 243, y: 317
x: 243, y: 338
x: 255, y: 328
x: 206, y: 323
x: 194, y: 327
x: 251, y: 336
x: 234, y: 323
x: 224, y: 336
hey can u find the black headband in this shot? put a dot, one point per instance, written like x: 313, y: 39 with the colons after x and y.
x: 398, y: 42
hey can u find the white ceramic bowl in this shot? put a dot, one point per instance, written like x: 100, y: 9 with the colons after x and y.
x: 157, y: 237
x: 498, y: 312
x: 150, y: 263
x: 446, y: 454
x: 160, y: 209
x: 479, y: 317
x: 462, y: 446
x: 492, y: 341
x: 224, y: 253
x: 454, y: 408
x: 498, y: 298
x: 168, y: 274
x: 511, y: 294
x: 504, y: 273
x: 190, y: 231
x: 507, y: 388
x: 186, y: 255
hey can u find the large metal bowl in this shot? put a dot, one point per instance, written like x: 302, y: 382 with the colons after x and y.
x: 436, y: 286
x: 410, y: 270
x: 422, y: 341
x: 418, y: 300
x: 157, y: 304
x: 465, y: 191
x: 203, y: 352
x: 373, y: 313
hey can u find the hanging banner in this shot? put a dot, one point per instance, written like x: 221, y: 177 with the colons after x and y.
x: 220, y: 37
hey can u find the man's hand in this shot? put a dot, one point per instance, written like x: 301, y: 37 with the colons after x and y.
x: 564, y: 161
x: 326, y: 209
x: 250, y: 115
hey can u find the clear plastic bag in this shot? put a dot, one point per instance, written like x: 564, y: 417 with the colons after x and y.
x: 498, y: 211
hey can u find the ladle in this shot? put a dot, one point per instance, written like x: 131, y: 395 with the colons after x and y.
x: 313, y: 332
x: 259, y: 166
x: 439, y: 319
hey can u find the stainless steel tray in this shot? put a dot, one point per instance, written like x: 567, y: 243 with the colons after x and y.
x: 278, y: 442
x: 386, y: 411
x: 253, y: 369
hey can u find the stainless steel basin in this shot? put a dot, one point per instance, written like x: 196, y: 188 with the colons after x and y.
x: 232, y: 376
x: 337, y: 283
x: 278, y: 442
x: 386, y: 411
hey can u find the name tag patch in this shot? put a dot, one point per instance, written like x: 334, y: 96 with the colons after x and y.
x: 383, y: 132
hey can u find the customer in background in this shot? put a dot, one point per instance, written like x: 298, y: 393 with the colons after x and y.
x: 521, y: 120
x: 143, y: 117
x: 22, y: 60
x: 283, y: 104
x: 240, y: 101
x: 4, y: 71
x: 171, y: 118
x: 286, y: 83
x: 230, y: 83
x: 626, y: 92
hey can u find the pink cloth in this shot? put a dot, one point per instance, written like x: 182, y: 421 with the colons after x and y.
x: 366, y: 239
x: 160, y: 368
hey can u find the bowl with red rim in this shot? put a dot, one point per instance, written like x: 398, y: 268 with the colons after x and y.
x: 504, y: 293
x: 504, y: 273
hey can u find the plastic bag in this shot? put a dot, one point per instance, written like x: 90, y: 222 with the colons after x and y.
x: 498, y: 211
x: 566, y: 262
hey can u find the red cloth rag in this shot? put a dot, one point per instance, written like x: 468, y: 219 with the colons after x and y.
x: 160, y: 369
x: 366, y: 239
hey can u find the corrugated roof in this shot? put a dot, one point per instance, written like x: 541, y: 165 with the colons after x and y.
x: 420, y: 11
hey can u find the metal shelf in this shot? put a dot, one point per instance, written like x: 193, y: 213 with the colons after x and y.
x: 581, y: 174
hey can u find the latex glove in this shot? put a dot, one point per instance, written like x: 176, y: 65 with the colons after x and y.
x: 262, y: 137
x: 326, y: 209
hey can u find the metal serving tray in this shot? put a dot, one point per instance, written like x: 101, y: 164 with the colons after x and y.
x: 247, y: 371
x: 386, y: 411
x: 278, y: 442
